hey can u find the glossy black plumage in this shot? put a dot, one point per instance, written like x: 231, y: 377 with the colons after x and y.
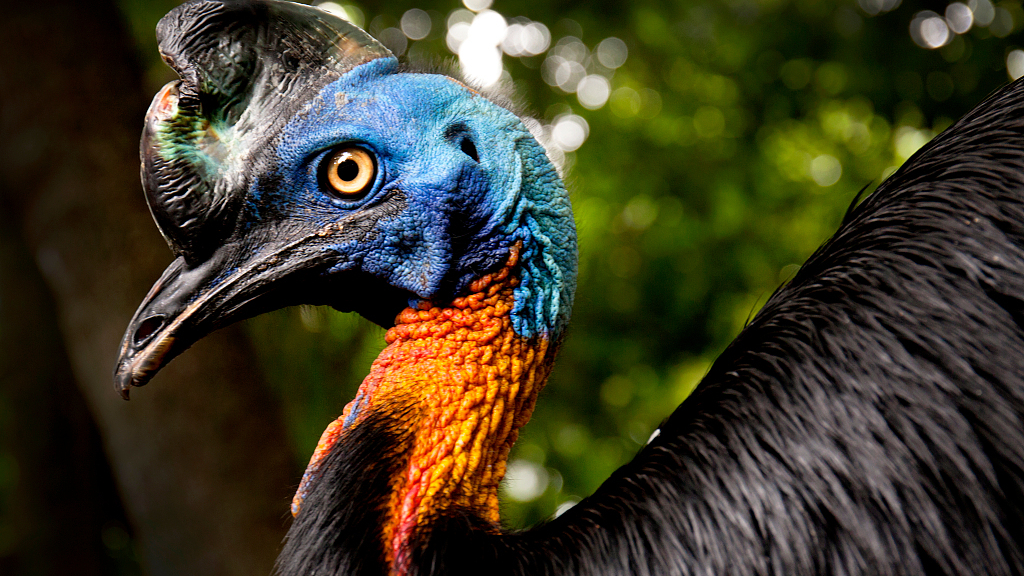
x: 867, y: 421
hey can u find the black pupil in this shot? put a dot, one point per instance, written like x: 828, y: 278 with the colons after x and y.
x: 348, y: 169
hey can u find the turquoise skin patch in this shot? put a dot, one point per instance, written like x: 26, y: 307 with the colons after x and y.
x: 462, y: 206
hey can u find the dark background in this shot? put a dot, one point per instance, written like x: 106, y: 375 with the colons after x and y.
x: 735, y: 135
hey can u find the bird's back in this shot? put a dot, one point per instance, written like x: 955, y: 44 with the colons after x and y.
x: 867, y: 421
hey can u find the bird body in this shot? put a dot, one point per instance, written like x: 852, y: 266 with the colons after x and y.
x: 868, y: 420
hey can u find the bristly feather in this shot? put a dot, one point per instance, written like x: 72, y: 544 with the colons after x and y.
x: 339, y: 529
x: 502, y: 94
x: 868, y: 420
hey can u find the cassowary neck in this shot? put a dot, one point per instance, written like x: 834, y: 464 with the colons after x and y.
x: 462, y: 382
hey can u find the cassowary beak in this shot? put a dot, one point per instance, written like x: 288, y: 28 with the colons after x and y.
x: 243, y: 66
x: 238, y: 281
x: 187, y: 303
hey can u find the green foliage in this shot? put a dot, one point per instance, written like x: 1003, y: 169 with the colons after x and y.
x: 736, y: 134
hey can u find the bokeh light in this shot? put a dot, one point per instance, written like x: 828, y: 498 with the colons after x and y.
x: 1002, y: 22
x: 1015, y: 64
x: 477, y: 45
x: 825, y: 170
x: 526, y: 38
x: 612, y: 52
x: 416, y: 24
x: 477, y: 5
x: 394, y: 39
x: 525, y: 481
x: 481, y: 36
x: 959, y: 17
x: 929, y: 30
x: 593, y: 91
x: 569, y: 132
x: 932, y: 30
x: 983, y: 11
x: 347, y: 11
x: 874, y: 7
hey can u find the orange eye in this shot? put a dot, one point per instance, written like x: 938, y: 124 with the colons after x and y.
x: 349, y: 171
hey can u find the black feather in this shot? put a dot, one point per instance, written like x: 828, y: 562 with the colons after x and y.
x: 867, y: 421
x: 339, y: 528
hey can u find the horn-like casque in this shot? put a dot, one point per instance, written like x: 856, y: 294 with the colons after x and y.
x: 238, y: 62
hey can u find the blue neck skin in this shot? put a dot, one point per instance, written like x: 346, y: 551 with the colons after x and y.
x: 456, y: 216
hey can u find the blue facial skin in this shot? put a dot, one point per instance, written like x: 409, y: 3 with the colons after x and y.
x: 460, y: 215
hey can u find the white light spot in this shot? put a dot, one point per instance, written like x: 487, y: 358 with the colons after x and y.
x: 460, y: 15
x: 526, y: 39
x: 826, y: 170
x: 480, y: 62
x: 347, y: 12
x: 565, y: 507
x: 525, y: 481
x: 1015, y: 64
x: 477, y: 5
x: 566, y: 74
x: 959, y: 17
x: 655, y: 434
x: 569, y: 75
x: 478, y: 51
x: 489, y: 27
x: 416, y: 24
x: 983, y: 11
x: 457, y: 34
x: 536, y: 38
x: 513, y: 43
x: 612, y: 52
x: 549, y: 71
x: 929, y: 30
x: 571, y: 48
x: 394, y: 39
x: 873, y: 7
x: 593, y: 91
x: 569, y: 132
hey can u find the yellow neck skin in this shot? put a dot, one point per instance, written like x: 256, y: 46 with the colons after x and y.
x: 464, y: 383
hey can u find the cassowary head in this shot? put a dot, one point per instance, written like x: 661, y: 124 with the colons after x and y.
x: 296, y: 162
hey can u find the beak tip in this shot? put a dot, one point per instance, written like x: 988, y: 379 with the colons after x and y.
x: 123, y: 381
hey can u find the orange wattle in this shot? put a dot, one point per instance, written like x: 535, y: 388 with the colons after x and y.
x: 463, y: 382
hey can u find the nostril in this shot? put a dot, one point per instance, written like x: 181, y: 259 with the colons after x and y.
x: 148, y: 327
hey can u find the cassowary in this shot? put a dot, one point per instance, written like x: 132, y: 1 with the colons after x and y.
x: 867, y: 421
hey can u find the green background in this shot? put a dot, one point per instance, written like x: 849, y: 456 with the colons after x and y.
x: 735, y: 137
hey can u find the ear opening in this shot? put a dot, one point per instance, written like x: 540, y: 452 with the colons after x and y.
x: 460, y: 133
x: 469, y: 149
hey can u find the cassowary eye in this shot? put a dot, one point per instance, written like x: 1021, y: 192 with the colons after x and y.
x: 349, y: 171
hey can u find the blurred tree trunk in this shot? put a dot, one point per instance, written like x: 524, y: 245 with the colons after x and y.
x: 199, y: 456
x: 47, y: 437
